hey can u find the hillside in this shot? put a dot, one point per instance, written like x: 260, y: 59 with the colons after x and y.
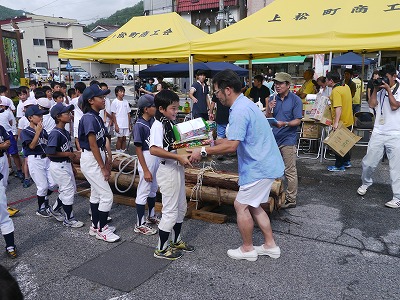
x: 7, y: 13
x: 120, y: 17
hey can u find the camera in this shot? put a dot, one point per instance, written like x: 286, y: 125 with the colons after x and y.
x: 381, y: 80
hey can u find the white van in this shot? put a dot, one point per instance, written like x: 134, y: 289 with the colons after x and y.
x: 37, y: 73
x: 78, y: 72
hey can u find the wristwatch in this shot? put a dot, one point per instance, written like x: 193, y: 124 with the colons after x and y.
x: 203, y: 152
x: 286, y: 124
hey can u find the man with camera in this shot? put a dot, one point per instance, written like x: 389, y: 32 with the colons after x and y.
x: 385, y: 98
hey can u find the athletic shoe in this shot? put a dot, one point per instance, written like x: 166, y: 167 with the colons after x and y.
x: 274, y: 252
x: 73, y: 223
x: 20, y: 175
x: 362, y: 190
x: 181, y: 245
x: 394, y: 203
x: 10, y: 171
x: 107, y: 235
x: 336, y: 169
x: 27, y: 183
x: 239, y: 254
x: 347, y: 164
x: 11, y: 252
x: 144, y: 229
x: 288, y: 204
x: 43, y: 213
x: 169, y: 253
x: 12, y: 211
x: 56, y: 214
x: 93, y: 231
x: 155, y: 220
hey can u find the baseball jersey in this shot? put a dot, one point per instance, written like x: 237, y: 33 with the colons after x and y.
x: 27, y: 136
x: 3, y: 137
x: 121, y: 110
x: 91, y: 122
x: 141, y: 134
x: 59, y: 141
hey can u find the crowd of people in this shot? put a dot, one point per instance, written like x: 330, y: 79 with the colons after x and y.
x: 48, y: 118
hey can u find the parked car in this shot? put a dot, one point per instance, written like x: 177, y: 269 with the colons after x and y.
x: 119, y: 74
x: 36, y: 73
x: 76, y: 71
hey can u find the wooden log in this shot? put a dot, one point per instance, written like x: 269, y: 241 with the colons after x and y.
x: 209, y: 216
x: 207, y: 193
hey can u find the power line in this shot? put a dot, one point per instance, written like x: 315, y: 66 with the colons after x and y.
x: 45, y: 5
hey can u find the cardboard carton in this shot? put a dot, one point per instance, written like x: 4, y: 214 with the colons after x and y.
x: 341, y: 140
x: 311, y: 130
x: 183, y: 150
x: 307, y: 108
x: 321, y: 110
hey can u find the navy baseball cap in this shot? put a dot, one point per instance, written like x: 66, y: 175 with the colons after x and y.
x: 35, y: 110
x: 146, y: 101
x: 93, y: 91
x: 59, y: 109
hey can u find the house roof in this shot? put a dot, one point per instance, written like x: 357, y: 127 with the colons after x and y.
x: 190, y: 5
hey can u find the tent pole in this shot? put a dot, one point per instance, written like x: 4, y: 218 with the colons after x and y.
x: 330, y: 62
x: 250, y: 70
x: 362, y: 74
x: 191, y: 77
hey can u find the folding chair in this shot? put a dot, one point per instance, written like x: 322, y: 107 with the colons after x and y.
x: 309, y: 144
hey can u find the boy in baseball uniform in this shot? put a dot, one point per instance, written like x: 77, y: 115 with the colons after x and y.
x: 121, y: 113
x: 170, y: 177
x: 96, y: 162
x: 148, y: 165
x: 6, y: 224
x: 34, y: 142
x: 59, y: 150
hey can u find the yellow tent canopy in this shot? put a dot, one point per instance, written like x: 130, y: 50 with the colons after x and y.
x: 143, y: 40
x: 287, y: 27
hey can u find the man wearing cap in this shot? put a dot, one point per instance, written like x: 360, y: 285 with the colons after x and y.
x: 199, y: 95
x: 287, y: 108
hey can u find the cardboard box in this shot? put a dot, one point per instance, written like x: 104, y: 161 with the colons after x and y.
x: 321, y: 110
x: 307, y: 109
x: 311, y: 130
x: 341, y: 140
x: 183, y: 150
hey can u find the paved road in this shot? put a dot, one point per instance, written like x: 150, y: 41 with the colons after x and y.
x: 335, y: 245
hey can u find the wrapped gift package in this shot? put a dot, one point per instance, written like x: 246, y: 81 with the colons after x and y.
x: 195, y: 129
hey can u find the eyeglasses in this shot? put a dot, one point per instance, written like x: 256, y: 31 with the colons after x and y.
x: 216, y: 92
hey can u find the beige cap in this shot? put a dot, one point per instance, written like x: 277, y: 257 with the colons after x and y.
x: 282, y: 77
x: 44, y: 102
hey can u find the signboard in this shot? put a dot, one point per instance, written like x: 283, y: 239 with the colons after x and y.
x: 12, y: 61
x: 68, y: 67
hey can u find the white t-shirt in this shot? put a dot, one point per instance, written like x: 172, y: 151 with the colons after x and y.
x: 121, y: 110
x: 6, y: 120
x: 78, y: 113
x: 23, y: 123
x: 20, y: 109
x: 390, y: 117
x: 48, y: 123
x: 157, y: 137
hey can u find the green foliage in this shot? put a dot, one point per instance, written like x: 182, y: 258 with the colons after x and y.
x: 120, y: 17
x: 7, y: 13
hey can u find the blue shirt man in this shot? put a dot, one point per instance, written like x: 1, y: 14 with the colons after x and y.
x: 286, y: 108
x: 259, y: 164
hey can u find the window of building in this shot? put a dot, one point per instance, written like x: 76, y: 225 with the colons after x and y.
x: 38, y: 42
x: 42, y: 65
x: 49, y: 44
x: 66, y: 44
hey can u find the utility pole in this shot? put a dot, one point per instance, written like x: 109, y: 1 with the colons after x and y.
x: 221, y: 15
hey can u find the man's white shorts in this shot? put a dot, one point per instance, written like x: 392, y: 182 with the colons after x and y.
x: 255, y: 193
x: 122, y: 132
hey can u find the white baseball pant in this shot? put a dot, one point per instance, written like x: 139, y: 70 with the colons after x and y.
x: 147, y: 189
x: 6, y: 224
x: 39, y: 168
x: 100, y: 191
x: 4, y: 169
x: 63, y: 176
x: 171, y: 179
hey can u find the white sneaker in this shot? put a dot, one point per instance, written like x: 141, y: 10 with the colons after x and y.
x: 394, y: 203
x: 107, y: 235
x: 145, y: 229
x: 274, y: 252
x: 239, y: 254
x: 93, y: 231
x: 362, y: 190
x: 56, y: 214
x: 73, y: 223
